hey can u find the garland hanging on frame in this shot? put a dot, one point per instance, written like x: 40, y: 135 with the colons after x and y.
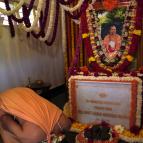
x: 130, y: 39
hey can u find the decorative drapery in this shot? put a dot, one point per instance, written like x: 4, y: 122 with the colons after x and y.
x: 75, y: 52
x: 140, y: 51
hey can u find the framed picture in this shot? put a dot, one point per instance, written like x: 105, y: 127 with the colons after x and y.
x: 111, y: 34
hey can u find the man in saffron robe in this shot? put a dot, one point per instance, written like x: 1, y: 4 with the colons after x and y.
x: 25, y: 117
x: 112, y: 42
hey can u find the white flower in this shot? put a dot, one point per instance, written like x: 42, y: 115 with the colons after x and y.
x: 119, y: 128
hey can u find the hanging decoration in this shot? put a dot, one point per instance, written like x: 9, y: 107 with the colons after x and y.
x: 11, y: 26
x: 34, y: 24
x: 38, y: 26
x: 72, y: 9
x: 10, y: 12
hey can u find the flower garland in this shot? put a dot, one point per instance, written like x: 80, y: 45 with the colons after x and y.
x: 132, y: 135
x: 98, y: 51
x: 10, y: 12
x: 66, y: 2
x: 49, y: 43
x: 77, y: 6
x: 20, y: 20
x: 33, y: 28
x: 12, y: 31
x: 42, y: 21
x: 34, y: 25
x: 78, y: 14
x: 51, y: 21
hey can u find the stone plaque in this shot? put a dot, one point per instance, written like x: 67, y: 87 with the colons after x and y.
x: 113, y: 102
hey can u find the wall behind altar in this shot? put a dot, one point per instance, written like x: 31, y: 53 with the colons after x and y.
x: 21, y: 58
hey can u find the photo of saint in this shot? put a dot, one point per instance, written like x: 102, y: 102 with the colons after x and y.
x: 112, y: 42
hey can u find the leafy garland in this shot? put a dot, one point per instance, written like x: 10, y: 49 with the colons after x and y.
x: 98, y: 50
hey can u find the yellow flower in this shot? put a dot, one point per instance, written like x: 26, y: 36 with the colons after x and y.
x: 137, y: 32
x: 109, y: 69
x: 129, y: 58
x: 94, y: 52
x: 130, y: 42
x: 119, y: 128
x: 85, y: 35
x: 95, y: 34
x: 91, y: 59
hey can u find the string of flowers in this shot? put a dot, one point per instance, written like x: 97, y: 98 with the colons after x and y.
x: 27, y: 27
x: 72, y: 9
x: 93, y: 66
x: 12, y: 31
x: 20, y: 20
x: 10, y: 12
x: 78, y: 14
x: 51, y: 21
x: 49, y: 43
x: 42, y: 22
x: 66, y: 2
x: 26, y: 15
x: 136, y: 36
x: 99, y: 54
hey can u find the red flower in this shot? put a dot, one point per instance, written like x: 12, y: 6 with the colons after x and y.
x: 110, y: 4
x: 133, y: 73
x: 84, y: 69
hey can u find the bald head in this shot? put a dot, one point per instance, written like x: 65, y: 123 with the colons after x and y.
x: 112, y: 30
